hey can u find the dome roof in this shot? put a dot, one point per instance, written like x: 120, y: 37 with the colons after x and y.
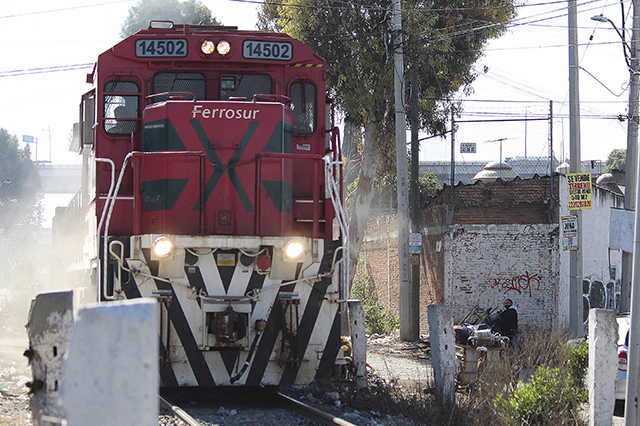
x: 493, y: 171
x: 605, y: 178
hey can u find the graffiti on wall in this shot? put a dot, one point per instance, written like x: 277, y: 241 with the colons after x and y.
x: 520, y: 283
x: 600, y: 293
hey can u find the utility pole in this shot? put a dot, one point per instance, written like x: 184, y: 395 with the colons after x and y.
x: 415, y: 209
x: 632, y: 409
x: 631, y: 162
x: 453, y: 166
x: 402, y: 178
x: 575, y: 262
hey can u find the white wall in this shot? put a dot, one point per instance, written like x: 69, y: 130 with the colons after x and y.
x: 601, y: 267
x: 485, y: 264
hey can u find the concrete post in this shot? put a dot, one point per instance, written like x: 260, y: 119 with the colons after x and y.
x: 443, y: 352
x: 111, y: 371
x: 603, y: 366
x: 358, y: 342
x: 49, y: 329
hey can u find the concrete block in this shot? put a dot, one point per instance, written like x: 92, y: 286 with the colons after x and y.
x: 443, y: 352
x: 603, y: 366
x: 111, y: 372
x: 49, y: 329
x: 358, y: 342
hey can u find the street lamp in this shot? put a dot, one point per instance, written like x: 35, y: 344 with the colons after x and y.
x: 632, y: 410
x: 626, y: 49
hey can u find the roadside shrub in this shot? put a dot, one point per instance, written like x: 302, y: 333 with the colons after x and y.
x: 553, y: 394
x: 377, y: 318
x: 578, y: 363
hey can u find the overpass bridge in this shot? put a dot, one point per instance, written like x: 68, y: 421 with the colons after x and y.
x: 59, y: 179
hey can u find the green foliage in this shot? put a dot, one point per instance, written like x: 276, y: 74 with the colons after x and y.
x: 428, y: 186
x: 385, y: 190
x: 355, y: 38
x: 19, y: 184
x: 377, y: 318
x: 578, y: 362
x: 553, y: 395
x: 617, y: 160
x: 187, y: 12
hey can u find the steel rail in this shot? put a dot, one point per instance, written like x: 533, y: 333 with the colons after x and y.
x: 311, y: 412
x: 179, y: 412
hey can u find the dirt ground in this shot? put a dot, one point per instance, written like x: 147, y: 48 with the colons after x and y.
x: 403, y: 363
x: 14, y: 374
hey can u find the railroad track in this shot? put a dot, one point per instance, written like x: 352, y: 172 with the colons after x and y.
x: 310, y: 412
x: 275, y: 399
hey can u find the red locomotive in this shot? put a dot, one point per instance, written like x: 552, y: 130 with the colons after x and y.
x: 212, y: 182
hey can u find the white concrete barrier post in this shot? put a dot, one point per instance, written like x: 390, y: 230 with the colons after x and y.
x: 603, y: 366
x: 443, y: 352
x: 111, y: 372
x: 49, y: 328
x: 358, y: 342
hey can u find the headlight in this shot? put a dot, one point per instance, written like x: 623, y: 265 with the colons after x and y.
x: 162, y: 247
x: 293, y: 250
x: 207, y: 47
x: 224, y: 47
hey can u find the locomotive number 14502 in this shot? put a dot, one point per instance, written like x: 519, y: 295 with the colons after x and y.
x: 254, y: 49
x: 161, y: 48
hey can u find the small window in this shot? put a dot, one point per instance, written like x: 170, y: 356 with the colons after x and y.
x: 304, y: 101
x: 245, y: 86
x: 121, y: 107
x: 178, y: 82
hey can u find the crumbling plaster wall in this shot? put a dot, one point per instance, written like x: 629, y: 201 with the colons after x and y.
x: 485, y: 264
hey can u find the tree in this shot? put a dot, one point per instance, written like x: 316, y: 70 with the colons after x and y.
x: 20, y: 217
x: 186, y: 12
x: 617, y: 160
x: 19, y: 184
x: 442, y: 41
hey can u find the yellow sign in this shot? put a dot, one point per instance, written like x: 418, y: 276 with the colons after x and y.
x: 579, y: 191
x: 226, y: 259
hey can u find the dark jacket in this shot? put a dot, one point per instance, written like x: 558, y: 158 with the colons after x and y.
x: 507, y: 325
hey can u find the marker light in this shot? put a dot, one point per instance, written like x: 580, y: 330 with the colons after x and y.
x: 224, y: 47
x: 293, y: 249
x: 162, y: 247
x: 207, y: 47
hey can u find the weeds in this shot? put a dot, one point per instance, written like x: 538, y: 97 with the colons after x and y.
x: 554, y: 392
x: 541, y: 384
x: 377, y: 318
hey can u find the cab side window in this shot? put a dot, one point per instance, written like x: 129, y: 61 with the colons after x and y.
x: 121, y: 107
x: 304, y: 101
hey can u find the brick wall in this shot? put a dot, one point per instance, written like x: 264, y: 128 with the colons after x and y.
x: 465, y: 268
x: 380, y: 253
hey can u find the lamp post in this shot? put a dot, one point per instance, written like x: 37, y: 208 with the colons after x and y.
x: 631, y: 181
x: 632, y: 409
x: 626, y: 50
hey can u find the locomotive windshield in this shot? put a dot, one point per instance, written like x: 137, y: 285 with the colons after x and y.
x: 190, y: 82
x: 245, y: 85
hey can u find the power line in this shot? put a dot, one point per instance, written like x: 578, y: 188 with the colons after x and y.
x: 31, y: 71
x: 84, y: 6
